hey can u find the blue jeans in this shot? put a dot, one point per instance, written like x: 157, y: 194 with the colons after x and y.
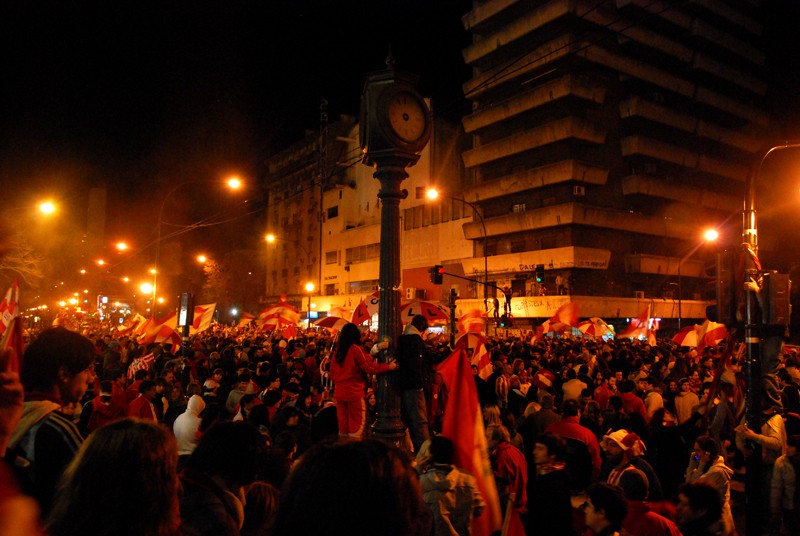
x: 771, y: 346
x: 417, y: 415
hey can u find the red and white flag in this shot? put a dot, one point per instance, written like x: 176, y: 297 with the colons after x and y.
x: 473, y: 321
x: 463, y: 424
x: 566, y: 315
x: 279, y: 314
x: 9, y: 307
x: 11, y: 330
x: 711, y: 334
x: 245, y: 320
x: 203, y: 315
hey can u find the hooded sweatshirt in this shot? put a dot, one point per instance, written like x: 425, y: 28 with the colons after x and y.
x: 719, y: 477
x: 187, y: 425
x: 453, y: 497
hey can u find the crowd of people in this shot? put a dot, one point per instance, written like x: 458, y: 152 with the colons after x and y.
x: 243, y: 432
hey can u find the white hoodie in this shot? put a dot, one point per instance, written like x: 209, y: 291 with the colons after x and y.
x: 187, y: 425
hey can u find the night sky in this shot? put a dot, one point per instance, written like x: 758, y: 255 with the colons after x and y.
x: 142, y: 95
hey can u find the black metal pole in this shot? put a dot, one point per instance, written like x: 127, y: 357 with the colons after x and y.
x: 389, y: 426
x: 755, y: 501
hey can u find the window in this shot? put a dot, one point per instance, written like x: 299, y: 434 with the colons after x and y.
x: 362, y: 253
x: 333, y: 212
x: 363, y: 287
x: 332, y: 257
x: 330, y: 289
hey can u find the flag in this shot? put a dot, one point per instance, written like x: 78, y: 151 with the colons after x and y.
x: 290, y: 332
x: 141, y: 363
x: 473, y: 321
x: 366, y: 308
x: 12, y: 340
x: 202, y: 317
x: 9, y: 307
x: 639, y: 327
x: 130, y: 325
x: 566, y: 315
x: 279, y: 314
x: 463, y: 424
x: 710, y: 334
x: 245, y: 320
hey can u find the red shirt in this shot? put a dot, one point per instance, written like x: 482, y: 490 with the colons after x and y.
x: 350, y: 377
x: 142, y: 408
x: 570, y: 427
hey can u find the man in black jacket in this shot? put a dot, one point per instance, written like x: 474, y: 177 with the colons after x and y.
x: 412, y: 357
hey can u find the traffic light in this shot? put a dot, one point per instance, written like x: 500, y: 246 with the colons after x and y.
x: 505, y: 321
x: 436, y: 274
x: 539, y: 271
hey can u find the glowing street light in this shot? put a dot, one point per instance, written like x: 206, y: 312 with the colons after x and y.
x: 146, y: 288
x: 234, y: 183
x: 47, y: 208
x: 202, y: 259
x: 126, y: 279
x: 711, y: 235
x: 101, y: 262
x: 121, y: 246
x: 310, y: 289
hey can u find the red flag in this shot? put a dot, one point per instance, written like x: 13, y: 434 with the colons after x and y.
x: 639, y: 326
x: 141, y: 363
x: 463, y: 424
x: 567, y: 314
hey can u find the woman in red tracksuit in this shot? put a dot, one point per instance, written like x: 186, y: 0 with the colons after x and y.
x: 350, y: 369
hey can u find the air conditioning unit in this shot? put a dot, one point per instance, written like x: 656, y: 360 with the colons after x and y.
x: 639, y: 294
x: 411, y: 293
x: 579, y: 190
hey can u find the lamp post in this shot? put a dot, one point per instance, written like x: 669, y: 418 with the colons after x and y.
x: 310, y: 289
x: 709, y: 235
x: 234, y: 183
x: 271, y: 238
x: 433, y: 194
x: 752, y: 338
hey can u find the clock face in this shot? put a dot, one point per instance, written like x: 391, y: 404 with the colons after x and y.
x: 407, y: 116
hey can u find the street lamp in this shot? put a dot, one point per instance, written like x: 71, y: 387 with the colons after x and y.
x: 234, y: 183
x: 434, y: 194
x: 752, y: 338
x: 310, y: 289
x: 709, y: 235
x: 47, y: 208
x: 270, y: 238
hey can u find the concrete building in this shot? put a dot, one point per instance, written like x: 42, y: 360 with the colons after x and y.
x: 606, y: 136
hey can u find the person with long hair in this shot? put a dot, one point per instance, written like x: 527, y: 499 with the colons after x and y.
x: 350, y: 369
x: 123, y: 481
x: 707, y: 465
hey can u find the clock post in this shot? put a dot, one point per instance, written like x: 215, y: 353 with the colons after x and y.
x: 394, y: 127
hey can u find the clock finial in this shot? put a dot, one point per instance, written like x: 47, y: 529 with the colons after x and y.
x: 390, y: 58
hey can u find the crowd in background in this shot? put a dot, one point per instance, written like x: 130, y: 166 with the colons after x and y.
x: 242, y: 432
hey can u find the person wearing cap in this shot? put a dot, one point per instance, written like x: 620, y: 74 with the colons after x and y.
x: 625, y: 450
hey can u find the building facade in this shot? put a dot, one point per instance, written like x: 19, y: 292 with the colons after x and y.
x: 606, y: 136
